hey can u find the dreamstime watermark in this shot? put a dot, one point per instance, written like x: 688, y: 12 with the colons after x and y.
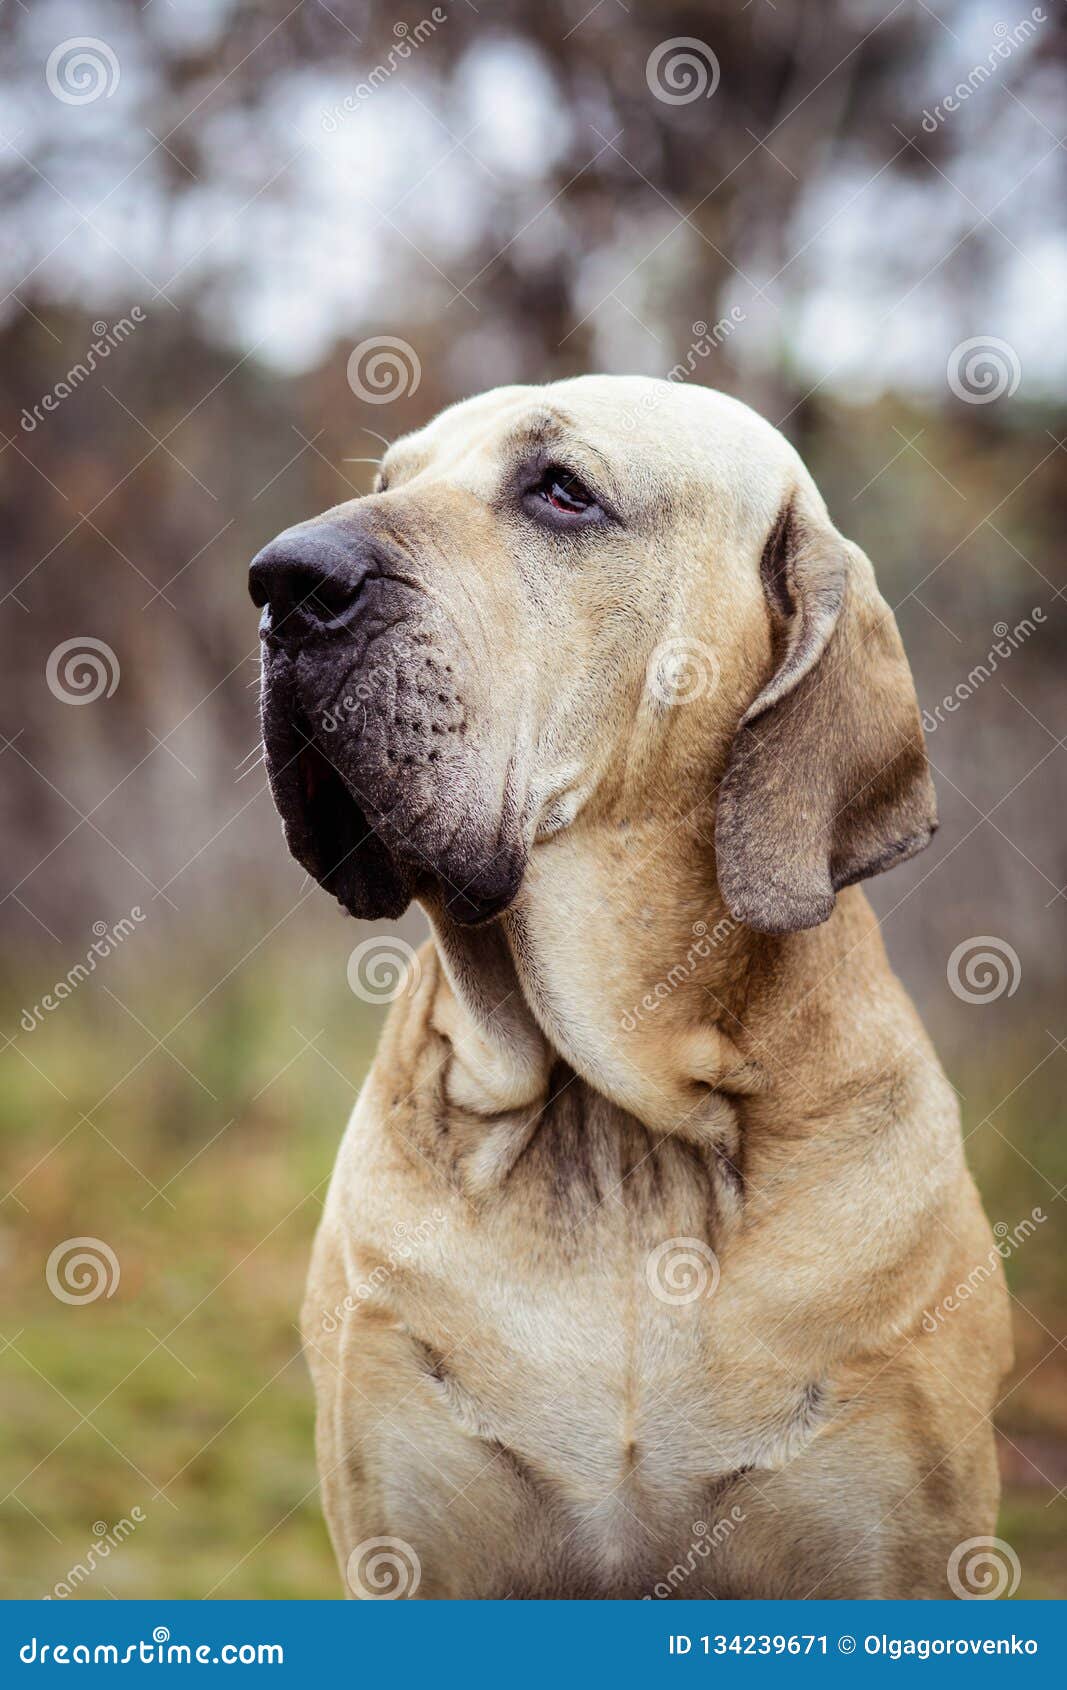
x: 106, y: 1539
x: 681, y: 1271
x: 1008, y: 1240
x: 407, y: 1241
x: 383, y: 1569
x: 107, y: 336
x: 384, y: 368
x: 707, y: 338
x: 363, y: 692
x: 382, y: 968
x: 682, y: 70
x: 81, y: 670
x: 705, y: 1538
x: 1008, y: 39
x: 409, y: 38
x: 681, y: 670
x: 157, y: 1651
x: 983, y: 1569
x: 1007, y: 641
x: 82, y: 69
x: 982, y: 369
x: 80, y: 1270
x: 107, y: 940
x: 981, y: 969
x: 705, y: 940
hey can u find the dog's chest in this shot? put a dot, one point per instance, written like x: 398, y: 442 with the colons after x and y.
x: 580, y: 1320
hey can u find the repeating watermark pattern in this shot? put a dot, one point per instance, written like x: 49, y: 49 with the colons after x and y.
x: 1007, y: 640
x: 106, y: 337
x: 364, y: 690
x: 80, y: 1270
x: 383, y: 1569
x: 983, y: 1568
x: 982, y: 969
x: 682, y: 1270
x: 107, y: 940
x: 106, y: 1539
x: 681, y: 670
x: 983, y: 369
x: 705, y: 1538
x: 407, y: 1241
x: 409, y: 38
x: 705, y: 940
x: 682, y: 70
x: 81, y: 670
x: 384, y: 368
x: 707, y: 337
x: 382, y: 968
x: 81, y: 70
x: 1008, y: 1240
x: 1009, y: 38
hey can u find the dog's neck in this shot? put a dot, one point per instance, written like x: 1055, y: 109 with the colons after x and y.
x: 646, y: 986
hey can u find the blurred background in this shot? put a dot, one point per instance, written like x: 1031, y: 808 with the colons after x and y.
x: 245, y: 244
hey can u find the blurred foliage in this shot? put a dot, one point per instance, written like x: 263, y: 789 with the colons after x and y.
x: 516, y: 205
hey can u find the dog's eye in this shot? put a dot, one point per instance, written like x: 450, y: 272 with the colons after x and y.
x: 563, y: 491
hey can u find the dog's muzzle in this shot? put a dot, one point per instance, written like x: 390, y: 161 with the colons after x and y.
x: 383, y: 784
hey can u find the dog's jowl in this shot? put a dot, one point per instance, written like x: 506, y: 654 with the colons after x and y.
x: 620, y: 1285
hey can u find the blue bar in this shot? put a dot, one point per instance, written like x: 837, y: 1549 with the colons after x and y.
x: 547, y: 1645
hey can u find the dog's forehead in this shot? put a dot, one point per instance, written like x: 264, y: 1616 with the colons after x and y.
x: 674, y: 426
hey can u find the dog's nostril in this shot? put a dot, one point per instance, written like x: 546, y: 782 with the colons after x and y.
x: 311, y: 575
x: 288, y: 585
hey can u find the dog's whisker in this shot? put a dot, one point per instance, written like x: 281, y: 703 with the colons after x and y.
x: 251, y: 768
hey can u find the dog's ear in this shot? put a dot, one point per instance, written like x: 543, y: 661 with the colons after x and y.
x: 827, y: 780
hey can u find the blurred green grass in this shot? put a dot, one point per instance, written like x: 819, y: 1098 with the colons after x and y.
x: 203, y: 1164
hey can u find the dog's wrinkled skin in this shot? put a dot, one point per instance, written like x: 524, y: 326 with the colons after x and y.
x: 670, y: 1031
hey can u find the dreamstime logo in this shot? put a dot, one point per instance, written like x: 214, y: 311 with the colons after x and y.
x: 81, y: 670
x: 106, y: 339
x: 705, y: 1539
x: 383, y: 1569
x: 407, y: 40
x: 82, y: 1269
x: 983, y: 369
x: 682, y: 1270
x: 107, y: 1538
x: 682, y: 70
x: 406, y: 1242
x: 681, y: 670
x: 705, y: 940
x: 1007, y: 641
x: 383, y: 968
x: 1007, y: 40
x: 707, y: 338
x: 982, y: 969
x: 1008, y: 1239
x: 983, y: 1569
x: 106, y: 939
x: 384, y: 368
x: 380, y: 674
x: 82, y: 70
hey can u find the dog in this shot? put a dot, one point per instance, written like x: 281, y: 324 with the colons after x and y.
x: 629, y: 1281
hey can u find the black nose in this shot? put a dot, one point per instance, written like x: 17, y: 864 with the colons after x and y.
x: 310, y: 577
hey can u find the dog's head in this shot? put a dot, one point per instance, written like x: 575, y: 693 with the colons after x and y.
x: 585, y: 600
